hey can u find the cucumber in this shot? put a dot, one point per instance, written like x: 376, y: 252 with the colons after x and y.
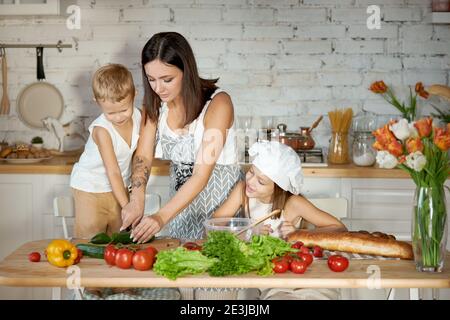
x: 92, y: 250
x: 100, y: 238
x: 123, y: 237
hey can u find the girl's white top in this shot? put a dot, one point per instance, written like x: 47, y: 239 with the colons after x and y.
x: 89, y: 173
x: 196, y: 130
x: 259, y: 209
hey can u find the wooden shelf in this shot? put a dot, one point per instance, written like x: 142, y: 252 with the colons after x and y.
x: 440, y: 17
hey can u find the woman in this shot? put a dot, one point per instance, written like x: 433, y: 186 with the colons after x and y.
x: 189, y: 121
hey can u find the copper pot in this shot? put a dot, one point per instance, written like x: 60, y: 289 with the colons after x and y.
x: 290, y: 138
x: 307, y: 142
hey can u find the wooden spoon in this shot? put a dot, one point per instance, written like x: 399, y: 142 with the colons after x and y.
x: 5, y: 100
x: 263, y: 218
x: 315, y: 124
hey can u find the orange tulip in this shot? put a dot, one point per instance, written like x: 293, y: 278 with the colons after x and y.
x: 378, y: 146
x: 414, y: 144
x: 424, y: 127
x: 419, y: 87
x: 395, y: 148
x: 442, y: 139
x: 402, y: 159
x: 420, y: 90
x: 378, y: 87
x: 384, y: 136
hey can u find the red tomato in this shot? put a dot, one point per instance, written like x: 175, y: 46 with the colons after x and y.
x: 152, y: 250
x: 337, y: 263
x: 304, y: 249
x: 110, y: 254
x: 124, y: 258
x: 297, y: 245
x: 34, y: 257
x: 143, y: 260
x: 192, y: 246
x: 280, y: 265
x: 298, y: 266
x: 79, y: 256
x: 318, y: 252
x: 308, y: 258
x: 289, y: 257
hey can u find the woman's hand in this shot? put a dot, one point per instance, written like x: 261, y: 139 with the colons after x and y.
x: 147, y: 228
x: 132, y: 213
x: 286, y: 228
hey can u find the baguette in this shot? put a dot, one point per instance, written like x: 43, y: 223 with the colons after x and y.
x: 376, y: 243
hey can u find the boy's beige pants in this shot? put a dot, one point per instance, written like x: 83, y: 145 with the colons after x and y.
x: 95, y: 213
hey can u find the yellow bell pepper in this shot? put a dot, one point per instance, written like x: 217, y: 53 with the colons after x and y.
x: 61, y: 253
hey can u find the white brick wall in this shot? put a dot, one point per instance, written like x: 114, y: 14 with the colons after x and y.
x: 292, y: 58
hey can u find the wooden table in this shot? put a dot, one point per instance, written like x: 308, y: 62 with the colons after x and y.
x: 16, y: 270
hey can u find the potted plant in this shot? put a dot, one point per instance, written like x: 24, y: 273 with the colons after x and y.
x: 37, y: 142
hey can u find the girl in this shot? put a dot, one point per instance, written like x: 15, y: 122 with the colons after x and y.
x: 273, y: 182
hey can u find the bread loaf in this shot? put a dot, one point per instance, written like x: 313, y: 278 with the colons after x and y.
x: 363, y: 242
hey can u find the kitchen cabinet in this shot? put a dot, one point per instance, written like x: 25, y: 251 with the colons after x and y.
x: 27, y: 214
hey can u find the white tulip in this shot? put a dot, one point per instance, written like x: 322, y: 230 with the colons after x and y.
x: 416, y: 161
x: 412, y: 130
x: 401, y: 129
x: 386, y: 160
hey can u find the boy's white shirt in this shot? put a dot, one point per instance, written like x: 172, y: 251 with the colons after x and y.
x: 89, y: 173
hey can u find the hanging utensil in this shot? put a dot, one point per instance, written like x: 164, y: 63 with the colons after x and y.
x: 39, y: 100
x: 254, y: 224
x: 5, y: 99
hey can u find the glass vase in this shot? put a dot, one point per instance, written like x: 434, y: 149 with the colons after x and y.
x: 429, y: 228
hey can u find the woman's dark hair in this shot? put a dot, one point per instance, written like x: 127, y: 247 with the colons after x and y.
x: 172, y: 48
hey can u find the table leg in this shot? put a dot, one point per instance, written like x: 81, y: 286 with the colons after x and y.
x: 56, y: 293
x: 435, y: 294
x: 391, y: 295
x: 414, y: 294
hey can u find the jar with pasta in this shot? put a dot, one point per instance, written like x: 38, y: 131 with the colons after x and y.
x: 340, y: 121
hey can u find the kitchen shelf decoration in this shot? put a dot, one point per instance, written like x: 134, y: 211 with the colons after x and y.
x: 408, y: 112
x: 420, y: 149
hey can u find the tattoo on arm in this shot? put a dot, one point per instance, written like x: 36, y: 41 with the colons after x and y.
x: 141, y: 173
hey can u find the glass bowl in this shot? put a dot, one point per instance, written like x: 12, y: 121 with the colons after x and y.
x: 232, y: 225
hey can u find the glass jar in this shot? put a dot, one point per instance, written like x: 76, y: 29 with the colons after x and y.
x: 363, y: 152
x: 338, y: 151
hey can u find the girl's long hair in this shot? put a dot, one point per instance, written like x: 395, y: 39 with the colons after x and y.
x: 279, y: 199
x: 172, y: 48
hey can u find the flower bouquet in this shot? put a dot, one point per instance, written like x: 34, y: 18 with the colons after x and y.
x: 420, y: 149
x: 408, y: 112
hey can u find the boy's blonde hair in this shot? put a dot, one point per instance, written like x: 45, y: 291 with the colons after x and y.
x: 113, y: 82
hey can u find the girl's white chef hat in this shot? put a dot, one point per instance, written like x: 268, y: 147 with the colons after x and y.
x: 280, y: 163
